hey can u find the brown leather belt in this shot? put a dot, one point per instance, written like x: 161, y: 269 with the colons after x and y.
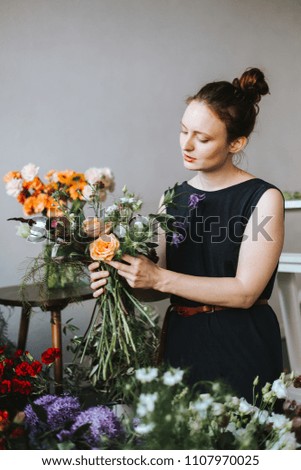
x: 189, y: 311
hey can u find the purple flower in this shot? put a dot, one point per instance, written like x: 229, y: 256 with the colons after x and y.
x: 177, y: 238
x: 194, y: 199
x: 58, y: 410
x: 103, y: 424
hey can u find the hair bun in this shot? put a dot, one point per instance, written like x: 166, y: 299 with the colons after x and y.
x: 252, y: 84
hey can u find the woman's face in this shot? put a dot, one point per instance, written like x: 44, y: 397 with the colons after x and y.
x: 203, y: 139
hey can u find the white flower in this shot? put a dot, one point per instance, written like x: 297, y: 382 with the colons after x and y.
x: 201, y: 406
x: 87, y: 192
x: 279, y: 421
x: 261, y: 416
x: 146, y: 375
x: 218, y: 409
x: 111, y: 209
x: 14, y: 187
x: 120, y: 231
x: 93, y: 175
x: 286, y: 441
x: 29, y: 171
x: 146, y: 403
x: 279, y: 388
x: 173, y: 377
x: 23, y: 230
x: 245, y: 407
x: 144, y: 428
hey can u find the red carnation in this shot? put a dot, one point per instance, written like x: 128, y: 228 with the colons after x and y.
x: 21, y: 386
x: 9, y: 362
x: 19, y: 353
x: 1, y: 369
x: 2, y: 349
x: 50, y: 355
x: 24, y: 369
x: 36, y: 368
x: 5, y: 386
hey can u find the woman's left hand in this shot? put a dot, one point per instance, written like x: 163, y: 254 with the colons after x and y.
x: 139, y: 272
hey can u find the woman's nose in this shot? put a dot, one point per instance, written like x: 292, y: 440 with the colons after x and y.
x: 187, y: 143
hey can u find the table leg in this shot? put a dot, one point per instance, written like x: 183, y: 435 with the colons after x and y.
x: 23, y: 328
x: 290, y: 310
x: 57, y: 343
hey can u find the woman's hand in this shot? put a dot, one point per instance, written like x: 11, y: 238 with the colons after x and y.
x: 139, y: 272
x: 98, y: 279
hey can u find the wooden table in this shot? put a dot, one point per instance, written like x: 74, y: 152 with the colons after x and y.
x: 55, y: 302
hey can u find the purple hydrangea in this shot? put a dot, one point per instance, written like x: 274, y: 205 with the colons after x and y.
x: 103, y: 423
x: 59, y: 409
x: 194, y: 199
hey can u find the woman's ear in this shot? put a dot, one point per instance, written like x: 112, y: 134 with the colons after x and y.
x: 238, y: 144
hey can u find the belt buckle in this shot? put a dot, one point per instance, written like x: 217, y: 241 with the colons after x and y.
x: 212, y: 310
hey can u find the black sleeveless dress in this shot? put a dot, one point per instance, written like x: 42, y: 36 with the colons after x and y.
x: 233, y: 345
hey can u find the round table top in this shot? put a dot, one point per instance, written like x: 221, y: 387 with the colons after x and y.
x: 34, y: 295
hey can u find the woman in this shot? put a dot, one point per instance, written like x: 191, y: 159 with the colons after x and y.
x: 221, y: 267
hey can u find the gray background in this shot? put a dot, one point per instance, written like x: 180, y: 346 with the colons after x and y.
x: 103, y: 83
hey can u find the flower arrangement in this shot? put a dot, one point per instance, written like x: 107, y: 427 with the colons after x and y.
x: 57, y: 422
x: 123, y: 331
x: 170, y: 416
x: 22, y: 375
x: 60, y: 202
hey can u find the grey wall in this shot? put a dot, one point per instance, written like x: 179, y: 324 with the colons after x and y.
x: 103, y: 83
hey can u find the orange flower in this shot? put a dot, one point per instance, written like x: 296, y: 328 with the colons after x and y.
x: 11, y: 175
x: 29, y: 205
x: 76, y: 190
x: 36, y: 184
x: 41, y: 203
x: 104, y: 248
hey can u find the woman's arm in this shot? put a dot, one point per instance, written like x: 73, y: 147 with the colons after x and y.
x: 258, y: 258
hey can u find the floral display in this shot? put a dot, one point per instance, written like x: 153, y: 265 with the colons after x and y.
x: 123, y: 331
x: 21, y: 374
x: 57, y: 208
x: 57, y: 422
x: 169, y: 415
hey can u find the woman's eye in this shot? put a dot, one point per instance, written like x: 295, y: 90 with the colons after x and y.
x: 183, y: 132
x: 204, y: 141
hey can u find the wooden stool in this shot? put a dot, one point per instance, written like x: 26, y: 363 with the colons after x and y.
x: 56, y: 301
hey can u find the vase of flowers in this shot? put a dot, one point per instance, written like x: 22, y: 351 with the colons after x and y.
x: 56, y: 210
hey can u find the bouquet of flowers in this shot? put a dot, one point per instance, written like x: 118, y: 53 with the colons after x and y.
x: 123, y: 331
x: 60, y: 202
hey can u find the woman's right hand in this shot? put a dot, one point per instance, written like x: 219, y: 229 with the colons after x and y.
x: 98, y: 279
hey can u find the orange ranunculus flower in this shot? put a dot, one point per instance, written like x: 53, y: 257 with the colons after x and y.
x: 104, y: 248
x: 66, y: 177
x: 41, y: 203
x: 29, y: 205
x: 11, y: 175
x: 35, y: 185
x: 76, y: 190
x: 95, y: 227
